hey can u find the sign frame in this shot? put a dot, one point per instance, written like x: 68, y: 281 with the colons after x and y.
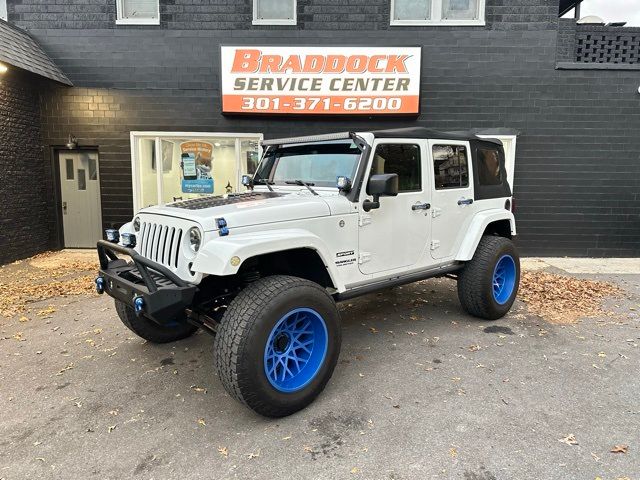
x: 320, y: 115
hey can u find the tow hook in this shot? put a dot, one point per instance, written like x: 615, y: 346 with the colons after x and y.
x: 100, y: 285
x: 138, y: 305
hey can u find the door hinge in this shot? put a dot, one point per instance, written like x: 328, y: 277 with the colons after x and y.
x: 435, y: 212
x: 364, y: 220
x: 364, y: 257
x: 435, y: 244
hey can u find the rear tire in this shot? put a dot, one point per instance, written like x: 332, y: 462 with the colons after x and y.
x: 151, y: 331
x: 277, y: 344
x: 488, y: 284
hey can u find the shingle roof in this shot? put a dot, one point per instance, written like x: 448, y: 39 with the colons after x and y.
x: 17, y: 48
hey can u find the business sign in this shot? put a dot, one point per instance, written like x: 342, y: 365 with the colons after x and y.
x: 321, y: 80
x: 197, y: 167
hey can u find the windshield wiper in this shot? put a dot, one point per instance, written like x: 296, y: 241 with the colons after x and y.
x: 302, y: 184
x: 262, y: 181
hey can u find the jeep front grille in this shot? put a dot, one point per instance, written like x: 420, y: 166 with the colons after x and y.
x: 160, y: 243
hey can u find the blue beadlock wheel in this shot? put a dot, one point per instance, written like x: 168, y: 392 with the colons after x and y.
x: 295, y: 350
x: 504, y: 279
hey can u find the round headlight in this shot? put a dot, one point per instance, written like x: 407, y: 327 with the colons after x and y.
x: 194, y: 239
x: 136, y: 224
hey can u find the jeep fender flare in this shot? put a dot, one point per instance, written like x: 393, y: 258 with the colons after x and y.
x: 214, y: 258
x: 477, y: 227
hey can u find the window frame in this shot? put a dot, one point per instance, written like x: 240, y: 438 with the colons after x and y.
x: 409, y: 142
x: 436, y: 19
x: 4, y: 11
x: 451, y: 143
x: 135, y: 21
x: 275, y: 21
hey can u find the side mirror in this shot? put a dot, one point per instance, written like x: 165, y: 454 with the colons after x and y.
x: 381, y: 185
x: 247, y: 181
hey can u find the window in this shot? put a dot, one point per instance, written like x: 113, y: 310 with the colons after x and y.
x: 400, y: 158
x: 82, y: 179
x: 489, y: 167
x: 317, y: 163
x: 3, y: 9
x: 437, y: 12
x: 450, y: 166
x: 69, y: 165
x: 93, y: 169
x: 274, y: 12
x: 138, y: 12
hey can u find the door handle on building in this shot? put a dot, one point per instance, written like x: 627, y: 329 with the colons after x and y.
x: 465, y: 201
x: 420, y: 206
x: 64, y: 208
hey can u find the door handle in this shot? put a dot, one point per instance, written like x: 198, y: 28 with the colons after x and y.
x: 64, y: 208
x: 465, y: 201
x: 420, y: 206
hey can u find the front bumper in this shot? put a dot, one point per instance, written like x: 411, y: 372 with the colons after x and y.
x: 164, y: 296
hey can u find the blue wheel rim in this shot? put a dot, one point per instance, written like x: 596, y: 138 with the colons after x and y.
x: 504, y: 279
x: 295, y: 350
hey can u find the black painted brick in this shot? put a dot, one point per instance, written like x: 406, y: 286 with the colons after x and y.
x: 25, y: 215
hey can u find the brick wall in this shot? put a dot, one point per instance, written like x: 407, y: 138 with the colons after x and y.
x: 25, y: 180
x: 351, y: 15
x: 577, y: 173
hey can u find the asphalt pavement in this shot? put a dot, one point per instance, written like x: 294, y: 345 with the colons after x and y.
x: 421, y: 391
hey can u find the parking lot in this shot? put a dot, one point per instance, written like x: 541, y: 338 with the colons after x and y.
x: 421, y: 391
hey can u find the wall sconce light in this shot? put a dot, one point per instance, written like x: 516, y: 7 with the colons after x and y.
x: 72, y: 144
x: 3, y: 68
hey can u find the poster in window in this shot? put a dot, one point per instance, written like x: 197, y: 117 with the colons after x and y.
x: 197, y: 167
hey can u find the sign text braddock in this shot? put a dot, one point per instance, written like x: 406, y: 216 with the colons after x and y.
x: 319, y: 80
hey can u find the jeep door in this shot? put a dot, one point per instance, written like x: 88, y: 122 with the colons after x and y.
x: 396, y: 234
x: 452, y: 196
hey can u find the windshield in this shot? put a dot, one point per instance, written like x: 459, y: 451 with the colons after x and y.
x: 318, y: 164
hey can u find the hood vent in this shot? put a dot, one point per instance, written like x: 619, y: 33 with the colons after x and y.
x: 232, y: 198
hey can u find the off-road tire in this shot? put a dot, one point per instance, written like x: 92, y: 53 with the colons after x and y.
x: 239, y: 348
x: 146, y: 328
x: 475, y: 289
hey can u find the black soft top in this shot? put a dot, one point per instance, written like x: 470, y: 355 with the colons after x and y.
x: 422, y: 132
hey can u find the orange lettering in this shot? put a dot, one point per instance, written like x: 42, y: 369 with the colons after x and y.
x: 246, y: 61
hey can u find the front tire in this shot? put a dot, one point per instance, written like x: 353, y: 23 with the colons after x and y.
x: 488, y: 284
x: 277, y: 344
x: 151, y: 331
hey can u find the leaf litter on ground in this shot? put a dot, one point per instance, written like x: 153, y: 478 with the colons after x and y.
x: 562, y: 299
x: 47, y: 275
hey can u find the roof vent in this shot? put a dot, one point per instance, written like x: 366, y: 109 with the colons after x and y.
x: 590, y: 20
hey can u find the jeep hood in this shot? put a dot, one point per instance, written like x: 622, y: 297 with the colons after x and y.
x: 241, y: 210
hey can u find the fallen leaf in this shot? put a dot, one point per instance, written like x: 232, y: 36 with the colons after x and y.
x: 453, y: 452
x: 23, y: 319
x: 202, y: 422
x: 355, y: 470
x: 112, y: 428
x: 223, y: 451
x: 620, y: 449
x: 198, y: 389
x: 373, y: 330
x: 254, y: 455
x: 569, y: 440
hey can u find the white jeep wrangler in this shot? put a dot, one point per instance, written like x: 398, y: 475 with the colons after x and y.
x: 326, y: 218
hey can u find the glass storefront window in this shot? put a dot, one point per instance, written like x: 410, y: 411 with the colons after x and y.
x: 190, y: 165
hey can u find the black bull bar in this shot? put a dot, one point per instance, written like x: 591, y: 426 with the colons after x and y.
x: 149, y: 288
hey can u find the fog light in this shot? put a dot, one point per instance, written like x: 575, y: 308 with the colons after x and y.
x: 343, y: 184
x: 138, y: 304
x: 100, y: 285
x: 129, y: 240
x: 112, y: 234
